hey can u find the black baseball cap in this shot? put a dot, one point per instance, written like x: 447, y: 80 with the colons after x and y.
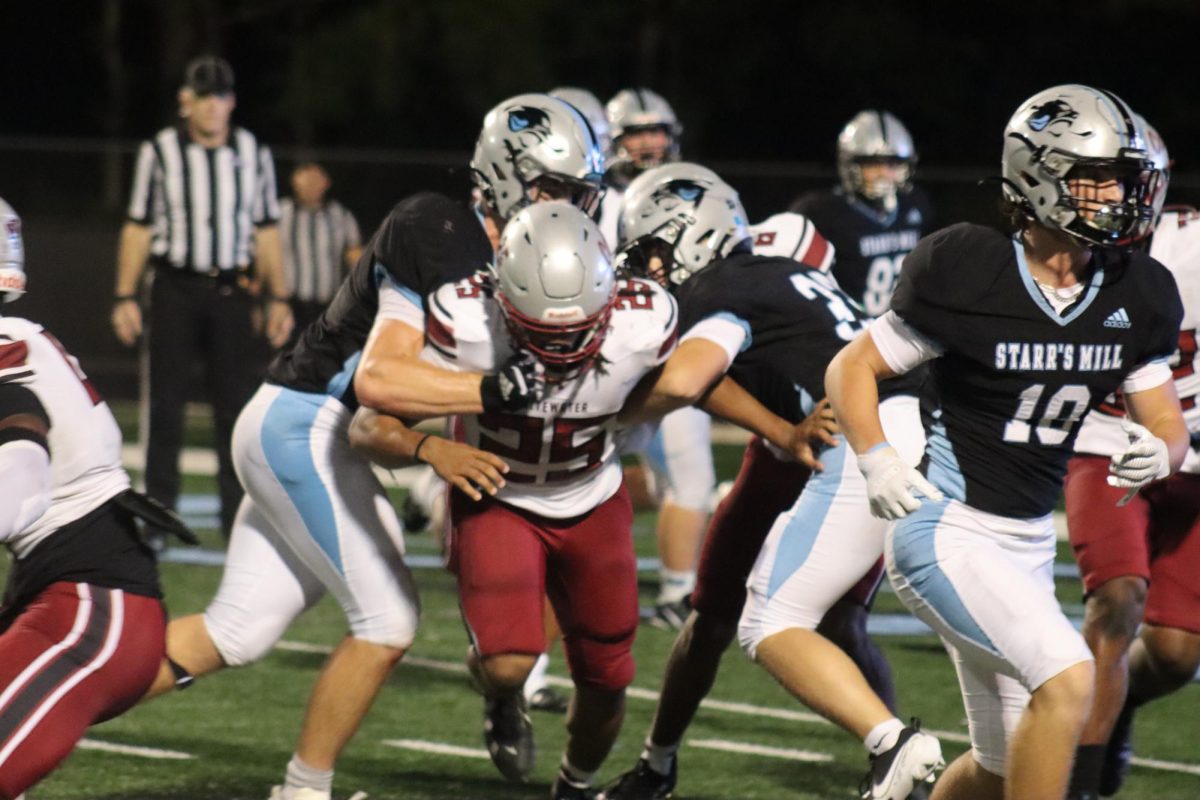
x: 209, y: 75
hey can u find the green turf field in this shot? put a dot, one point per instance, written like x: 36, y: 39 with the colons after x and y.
x: 232, y: 733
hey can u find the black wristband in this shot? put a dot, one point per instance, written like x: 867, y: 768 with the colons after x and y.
x: 417, y: 451
x: 124, y: 298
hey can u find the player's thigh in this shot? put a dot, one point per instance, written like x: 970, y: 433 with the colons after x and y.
x: 994, y: 704
x: 497, y: 554
x: 985, y: 584
x: 1173, y: 599
x: 685, y: 470
x: 765, y: 487
x: 816, y: 552
x: 1109, y: 541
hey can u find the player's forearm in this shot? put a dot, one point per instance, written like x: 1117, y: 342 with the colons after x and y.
x: 1158, y: 411
x: 410, y: 388
x: 683, y: 380
x: 268, y: 260
x: 384, y: 439
x: 132, y: 254
x: 851, y: 385
x: 729, y: 401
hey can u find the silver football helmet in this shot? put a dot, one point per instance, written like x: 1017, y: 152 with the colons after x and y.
x: 876, y: 138
x: 1156, y: 149
x: 555, y: 286
x: 592, y: 109
x: 12, y: 254
x: 1062, y: 146
x: 534, y: 146
x: 632, y: 110
x: 682, y: 214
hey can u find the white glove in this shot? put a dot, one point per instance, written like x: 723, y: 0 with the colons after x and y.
x: 890, y: 484
x: 1146, y: 459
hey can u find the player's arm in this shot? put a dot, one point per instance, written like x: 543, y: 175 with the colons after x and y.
x: 24, y: 459
x: 268, y: 261
x: 682, y: 381
x: 132, y: 254
x: 390, y: 443
x: 1158, y: 437
x: 730, y: 402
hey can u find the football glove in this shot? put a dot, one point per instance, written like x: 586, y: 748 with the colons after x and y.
x: 1146, y: 459
x: 518, y: 384
x: 891, y: 483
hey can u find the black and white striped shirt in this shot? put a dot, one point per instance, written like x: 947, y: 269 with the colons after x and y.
x: 203, y: 203
x: 315, y: 242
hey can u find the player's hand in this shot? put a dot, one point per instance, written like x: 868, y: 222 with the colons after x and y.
x: 464, y: 466
x: 818, y: 428
x: 891, y: 483
x: 518, y: 384
x: 127, y: 321
x: 1146, y: 459
x: 279, y: 322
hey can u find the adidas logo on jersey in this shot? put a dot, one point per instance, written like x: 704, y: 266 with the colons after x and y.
x: 1118, y: 319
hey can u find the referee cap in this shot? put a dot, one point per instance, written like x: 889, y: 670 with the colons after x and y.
x: 209, y: 75
x: 12, y: 254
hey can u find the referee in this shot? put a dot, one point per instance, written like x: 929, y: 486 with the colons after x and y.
x: 202, y: 215
x: 321, y: 241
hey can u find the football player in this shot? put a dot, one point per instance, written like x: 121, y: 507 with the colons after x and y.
x: 302, y: 530
x: 1025, y: 335
x: 1139, y: 560
x: 876, y: 214
x: 773, y: 323
x: 82, y: 622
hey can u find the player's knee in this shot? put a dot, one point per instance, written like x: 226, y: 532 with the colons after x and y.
x: 1174, y: 653
x: 710, y: 632
x: 244, y: 641
x: 1114, y: 610
x: 395, y: 628
x: 606, y: 666
x: 507, y: 672
x: 1069, y: 693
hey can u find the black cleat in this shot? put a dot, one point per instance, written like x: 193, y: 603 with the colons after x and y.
x: 670, y: 616
x: 1118, y: 754
x: 508, y: 734
x: 915, y: 758
x: 548, y: 699
x: 563, y: 789
x: 412, y: 515
x: 642, y: 783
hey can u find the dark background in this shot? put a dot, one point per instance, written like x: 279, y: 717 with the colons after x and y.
x: 390, y: 94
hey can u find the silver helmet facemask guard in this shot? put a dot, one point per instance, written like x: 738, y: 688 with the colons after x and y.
x: 685, y: 215
x: 556, y: 287
x: 1068, y: 147
x: 634, y: 110
x: 1156, y: 149
x: 12, y: 254
x: 876, y: 138
x: 535, y: 147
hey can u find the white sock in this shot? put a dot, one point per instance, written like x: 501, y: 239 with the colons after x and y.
x: 302, y: 776
x: 883, y: 736
x: 537, y: 677
x: 575, y: 776
x: 659, y: 756
x: 675, y: 584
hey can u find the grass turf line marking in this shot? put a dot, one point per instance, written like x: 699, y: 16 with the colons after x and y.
x: 748, y: 709
x: 133, y: 750
x: 746, y: 748
x: 437, y: 748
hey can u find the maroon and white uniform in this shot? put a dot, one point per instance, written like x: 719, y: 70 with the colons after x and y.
x: 561, y: 526
x: 1155, y: 536
x: 82, y: 626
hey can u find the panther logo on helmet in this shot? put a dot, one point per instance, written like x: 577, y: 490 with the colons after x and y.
x: 670, y: 196
x: 534, y: 120
x: 1050, y: 113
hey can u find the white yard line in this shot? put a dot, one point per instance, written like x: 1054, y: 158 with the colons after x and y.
x: 746, y: 748
x: 438, y: 748
x: 133, y: 750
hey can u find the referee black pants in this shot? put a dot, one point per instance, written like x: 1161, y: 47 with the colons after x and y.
x: 196, y: 320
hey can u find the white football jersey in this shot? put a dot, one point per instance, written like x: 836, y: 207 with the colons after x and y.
x: 1176, y: 245
x: 792, y: 235
x: 85, y: 442
x: 561, y: 454
x: 610, y: 212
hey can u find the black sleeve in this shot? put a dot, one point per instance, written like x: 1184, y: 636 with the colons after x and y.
x: 947, y: 275
x: 427, y: 240
x: 1161, y: 291
x: 16, y: 399
x: 702, y: 296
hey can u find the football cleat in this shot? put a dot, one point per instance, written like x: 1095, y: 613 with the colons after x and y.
x: 914, y: 758
x: 298, y: 793
x: 508, y: 734
x: 563, y: 789
x: 412, y: 516
x: 548, y: 699
x: 642, y: 783
x: 670, y: 616
x: 1118, y: 754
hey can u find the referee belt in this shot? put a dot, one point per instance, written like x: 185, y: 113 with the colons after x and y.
x: 212, y: 277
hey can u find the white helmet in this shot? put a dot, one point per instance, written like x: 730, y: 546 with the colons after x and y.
x: 632, y: 110
x: 876, y: 137
x: 683, y: 213
x: 592, y: 110
x: 1156, y: 149
x: 1075, y: 132
x: 555, y: 286
x: 536, y: 139
x: 12, y: 254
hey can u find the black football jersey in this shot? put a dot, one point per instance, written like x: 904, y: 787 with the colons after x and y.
x: 425, y: 241
x: 797, y: 320
x: 1016, y: 377
x: 869, y: 249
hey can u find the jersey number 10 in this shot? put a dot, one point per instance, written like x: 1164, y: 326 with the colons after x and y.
x: 1058, y: 418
